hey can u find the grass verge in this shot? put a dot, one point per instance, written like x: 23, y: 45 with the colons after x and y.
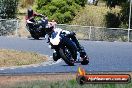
x: 64, y: 84
x: 18, y: 58
x: 61, y: 80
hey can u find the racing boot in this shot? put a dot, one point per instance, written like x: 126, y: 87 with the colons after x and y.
x: 81, y: 51
x: 83, y: 55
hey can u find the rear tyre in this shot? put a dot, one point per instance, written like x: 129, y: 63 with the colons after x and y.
x: 68, y: 60
x: 33, y: 34
x: 69, y: 53
x: 71, y: 47
x: 35, y: 37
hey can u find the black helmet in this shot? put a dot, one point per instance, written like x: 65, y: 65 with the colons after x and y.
x: 30, y: 12
x: 49, y: 28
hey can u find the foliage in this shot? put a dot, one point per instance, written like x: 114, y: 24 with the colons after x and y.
x: 124, y: 13
x: 81, y: 2
x: 8, y: 8
x: 41, y: 3
x: 113, y: 3
x: 112, y: 20
x: 93, y: 15
x: 63, y: 11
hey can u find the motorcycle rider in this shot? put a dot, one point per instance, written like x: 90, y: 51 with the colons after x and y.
x: 50, y: 28
x: 31, y: 22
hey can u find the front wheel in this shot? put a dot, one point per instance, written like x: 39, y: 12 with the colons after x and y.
x: 55, y: 56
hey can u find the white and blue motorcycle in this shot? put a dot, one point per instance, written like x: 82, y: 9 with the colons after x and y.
x: 65, y: 48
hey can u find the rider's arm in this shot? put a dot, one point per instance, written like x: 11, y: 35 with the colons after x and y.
x: 65, y: 31
x: 28, y: 19
x: 36, y: 14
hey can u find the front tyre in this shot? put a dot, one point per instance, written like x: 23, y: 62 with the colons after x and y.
x: 55, y: 56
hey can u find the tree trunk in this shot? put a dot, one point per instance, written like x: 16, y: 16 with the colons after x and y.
x: 96, y: 2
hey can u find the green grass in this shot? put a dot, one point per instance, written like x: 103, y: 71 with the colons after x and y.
x: 63, y: 84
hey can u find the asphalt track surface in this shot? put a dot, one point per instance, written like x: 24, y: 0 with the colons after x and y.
x: 104, y: 56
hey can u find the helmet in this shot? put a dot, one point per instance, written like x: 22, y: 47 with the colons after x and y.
x: 49, y: 28
x: 30, y: 12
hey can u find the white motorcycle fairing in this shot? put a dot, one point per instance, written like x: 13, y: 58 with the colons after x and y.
x: 55, y: 37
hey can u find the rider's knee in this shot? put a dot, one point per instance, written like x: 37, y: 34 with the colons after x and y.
x: 72, y: 33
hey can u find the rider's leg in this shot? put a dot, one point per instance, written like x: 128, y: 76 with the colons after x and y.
x: 74, y: 39
x: 80, y: 48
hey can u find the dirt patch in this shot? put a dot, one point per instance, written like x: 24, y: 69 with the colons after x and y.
x: 18, y: 58
x: 22, y: 31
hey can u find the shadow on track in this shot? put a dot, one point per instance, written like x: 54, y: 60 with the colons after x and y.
x: 68, y: 65
x: 35, y: 39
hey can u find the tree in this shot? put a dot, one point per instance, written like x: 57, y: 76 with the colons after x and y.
x: 63, y: 11
x: 81, y: 2
x: 124, y: 13
x: 112, y: 20
x: 113, y: 3
x: 96, y: 2
x: 8, y: 8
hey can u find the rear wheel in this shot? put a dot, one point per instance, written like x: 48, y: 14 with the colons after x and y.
x: 33, y: 33
x: 69, y: 53
x: 66, y: 57
x: 35, y: 37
